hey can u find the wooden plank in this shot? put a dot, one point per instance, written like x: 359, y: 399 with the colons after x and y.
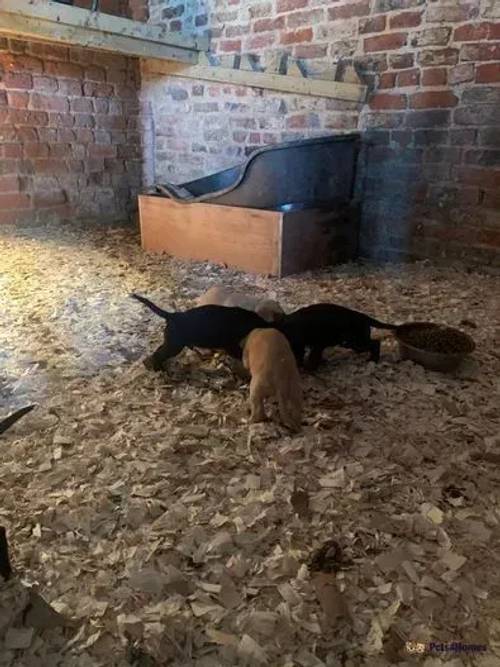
x: 300, y: 86
x: 243, y: 238
x: 42, y: 20
x: 40, y: 30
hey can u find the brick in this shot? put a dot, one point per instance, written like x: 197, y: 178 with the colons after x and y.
x: 27, y: 63
x: 436, y: 76
x: 12, y: 151
x: 230, y: 45
x: 375, y: 62
x: 472, y: 32
x: 49, y: 102
x: 406, y: 20
x: 389, y: 42
x: 82, y: 104
x: 17, y: 100
x: 349, y: 10
x: 9, y: 183
x: 18, y: 80
x: 382, y: 120
x: 481, y: 52
x: 490, y: 136
x: 257, y: 10
x: 483, y: 158
x: 433, y: 99
x: 172, y: 12
x: 387, y: 80
x: 491, y: 199
x: 443, y: 154
x: 236, y: 30
x: 401, y: 60
x: 14, y: 201
x: 341, y: 121
x: 390, y: 5
x: 409, y: 77
x: 437, y: 57
x: 94, y: 73
x: 372, y: 24
x: 432, y: 37
x: 307, y: 18
x: 177, y: 93
x: 44, y: 198
x: 36, y: 150
x: 49, y: 51
x: 70, y: 87
x: 66, y: 69
x: 265, y: 25
x: 84, y: 120
x: 431, y: 118
x: 102, y: 105
x: 201, y: 20
x: 451, y: 13
x: 289, y: 5
x: 97, y: 89
x: 461, y: 73
x: 297, y: 36
x: 482, y: 95
x: 489, y: 237
x: 387, y: 101
x: 462, y: 137
x: 45, y: 83
x: 486, y: 178
x: 430, y: 137
x: 489, y: 73
x: 310, y: 50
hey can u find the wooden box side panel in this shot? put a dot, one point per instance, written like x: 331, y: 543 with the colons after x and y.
x: 247, y: 239
x: 314, y: 238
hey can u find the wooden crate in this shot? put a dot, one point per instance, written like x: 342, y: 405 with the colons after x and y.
x: 253, y: 240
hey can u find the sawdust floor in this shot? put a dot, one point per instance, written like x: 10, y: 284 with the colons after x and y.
x: 171, y: 533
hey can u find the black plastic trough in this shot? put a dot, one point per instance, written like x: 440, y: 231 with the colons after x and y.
x: 310, y: 173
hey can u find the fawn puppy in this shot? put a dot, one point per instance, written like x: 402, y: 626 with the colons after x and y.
x: 269, y: 358
x: 268, y: 309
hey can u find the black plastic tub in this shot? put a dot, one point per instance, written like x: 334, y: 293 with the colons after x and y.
x: 310, y: 173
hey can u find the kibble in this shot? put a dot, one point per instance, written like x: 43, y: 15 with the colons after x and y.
x: 436, y: 339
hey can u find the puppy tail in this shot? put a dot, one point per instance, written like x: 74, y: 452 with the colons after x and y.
x: 158, y: 311
x: 14, y: 417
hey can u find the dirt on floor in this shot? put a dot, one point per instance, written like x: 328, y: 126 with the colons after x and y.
x: 164, y: 529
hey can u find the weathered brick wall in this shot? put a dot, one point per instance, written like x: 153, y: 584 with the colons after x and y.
x: 432, y: 182
x: 70, y: 139
x: 71, y: 133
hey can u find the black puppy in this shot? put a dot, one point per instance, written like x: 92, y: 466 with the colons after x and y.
x: 211, y: 327
x: 325, y: 325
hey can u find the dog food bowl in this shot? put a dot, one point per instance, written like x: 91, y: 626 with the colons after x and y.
x: 434, y: 346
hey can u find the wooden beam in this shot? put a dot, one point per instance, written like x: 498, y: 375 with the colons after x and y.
x: 51, y: 21
x: 350, y: 92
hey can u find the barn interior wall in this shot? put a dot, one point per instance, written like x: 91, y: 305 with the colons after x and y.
x: 81, y: 132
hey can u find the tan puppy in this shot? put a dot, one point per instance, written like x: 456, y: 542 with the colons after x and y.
x: 269, y: 358
x: 268, y: 309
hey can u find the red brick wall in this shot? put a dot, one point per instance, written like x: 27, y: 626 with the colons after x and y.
x: 70, y: 135
x: 432, y: 181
